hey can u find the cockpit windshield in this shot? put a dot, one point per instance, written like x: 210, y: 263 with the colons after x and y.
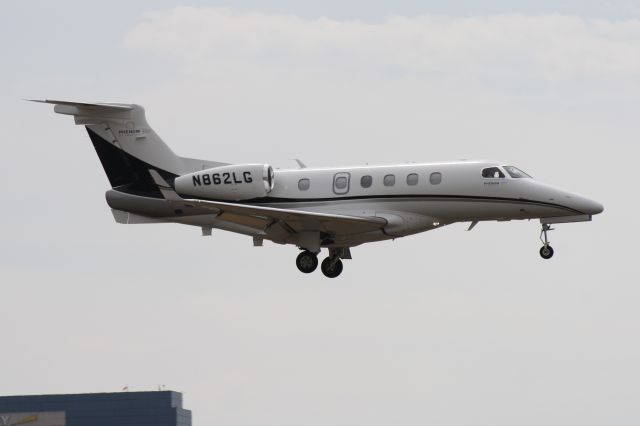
x: 515, y: 172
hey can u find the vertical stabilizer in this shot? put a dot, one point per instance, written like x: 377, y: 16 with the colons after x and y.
x: 127, y: 146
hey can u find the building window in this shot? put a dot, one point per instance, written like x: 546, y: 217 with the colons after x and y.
x: 435, y: 178
x: 366, y: 181
x: 304, y: 184
x: 412, y: 179
x: 389, y: 180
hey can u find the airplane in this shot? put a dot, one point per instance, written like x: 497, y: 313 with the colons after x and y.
x: 333, y: 208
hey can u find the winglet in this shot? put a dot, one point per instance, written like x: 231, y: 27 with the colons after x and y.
x: 167, y: 191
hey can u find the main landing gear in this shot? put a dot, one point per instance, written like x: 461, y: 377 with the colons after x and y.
x: 307, y: 262
x: 331, y: 267
x: 546, y: 251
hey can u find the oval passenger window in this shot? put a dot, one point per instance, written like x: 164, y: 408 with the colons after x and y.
x: 412, y: 179
x: 389, y: 180
x: 366, y: 181
x: 341, y: 182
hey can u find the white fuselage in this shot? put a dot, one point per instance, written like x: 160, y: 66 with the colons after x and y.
x: 414, y: 197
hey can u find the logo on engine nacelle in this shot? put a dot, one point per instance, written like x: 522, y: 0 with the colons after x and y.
x: 221, y: 179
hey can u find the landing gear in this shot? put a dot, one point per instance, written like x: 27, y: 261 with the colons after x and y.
x: 546, y: 251
x: 307, y: 262
x: 331, y: 267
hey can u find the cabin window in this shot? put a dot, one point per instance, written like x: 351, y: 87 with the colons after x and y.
x: 435, y: 178
x: 304, y: 184
x: 341, y: 182
x: 366, y: 181
x: 492, y: 172
x: 389, y: 180
x: 412, y: 179
x: 515, y: 172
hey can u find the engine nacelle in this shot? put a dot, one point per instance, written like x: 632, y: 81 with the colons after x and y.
x: 234, y: 183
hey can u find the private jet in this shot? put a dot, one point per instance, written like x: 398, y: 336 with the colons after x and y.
x: 334, y: 208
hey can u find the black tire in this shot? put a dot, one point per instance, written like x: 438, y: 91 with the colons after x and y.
x: 546, y: 252
x: 307, y: 262
x: 331, y: 268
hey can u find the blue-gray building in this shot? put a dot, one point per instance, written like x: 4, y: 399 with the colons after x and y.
x: 162, y: 408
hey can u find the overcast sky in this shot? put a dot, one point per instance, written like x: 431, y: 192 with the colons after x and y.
x: 447, y: 327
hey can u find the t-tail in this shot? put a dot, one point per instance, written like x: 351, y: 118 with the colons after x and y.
x: 128, y: 147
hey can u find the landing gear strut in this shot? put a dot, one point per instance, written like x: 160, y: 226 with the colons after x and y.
x: 546, y: 251
x: 307, y: 262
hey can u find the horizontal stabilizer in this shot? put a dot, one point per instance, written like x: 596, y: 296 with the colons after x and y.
x: 85, y: 105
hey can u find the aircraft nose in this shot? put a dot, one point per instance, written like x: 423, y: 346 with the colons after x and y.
x: 578, y: 204
x: 595, y: 207
x: 590, y: 206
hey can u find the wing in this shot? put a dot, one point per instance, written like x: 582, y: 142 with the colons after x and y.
x: 277, y: 223
x: 294, y: 220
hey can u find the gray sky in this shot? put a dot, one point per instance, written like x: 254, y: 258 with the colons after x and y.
x: 448, y: 327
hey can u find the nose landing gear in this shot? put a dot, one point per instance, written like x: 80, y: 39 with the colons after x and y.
x: 546, y: 251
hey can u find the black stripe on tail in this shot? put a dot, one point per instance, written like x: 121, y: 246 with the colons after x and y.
x: 127, y: 173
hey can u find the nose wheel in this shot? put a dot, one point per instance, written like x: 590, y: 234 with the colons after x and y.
x: 546, y: 251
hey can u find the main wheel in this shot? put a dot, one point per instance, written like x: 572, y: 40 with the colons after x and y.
x: 546, y: 252
x: 331, y: 267
x: 307, y: 262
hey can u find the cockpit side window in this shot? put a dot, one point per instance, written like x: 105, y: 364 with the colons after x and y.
x: 492, y: 172
x: 515, y: 172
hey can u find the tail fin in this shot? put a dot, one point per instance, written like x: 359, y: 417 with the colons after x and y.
x: 127, y: 146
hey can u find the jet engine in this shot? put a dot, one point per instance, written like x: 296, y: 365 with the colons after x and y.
x: 234, y: 183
